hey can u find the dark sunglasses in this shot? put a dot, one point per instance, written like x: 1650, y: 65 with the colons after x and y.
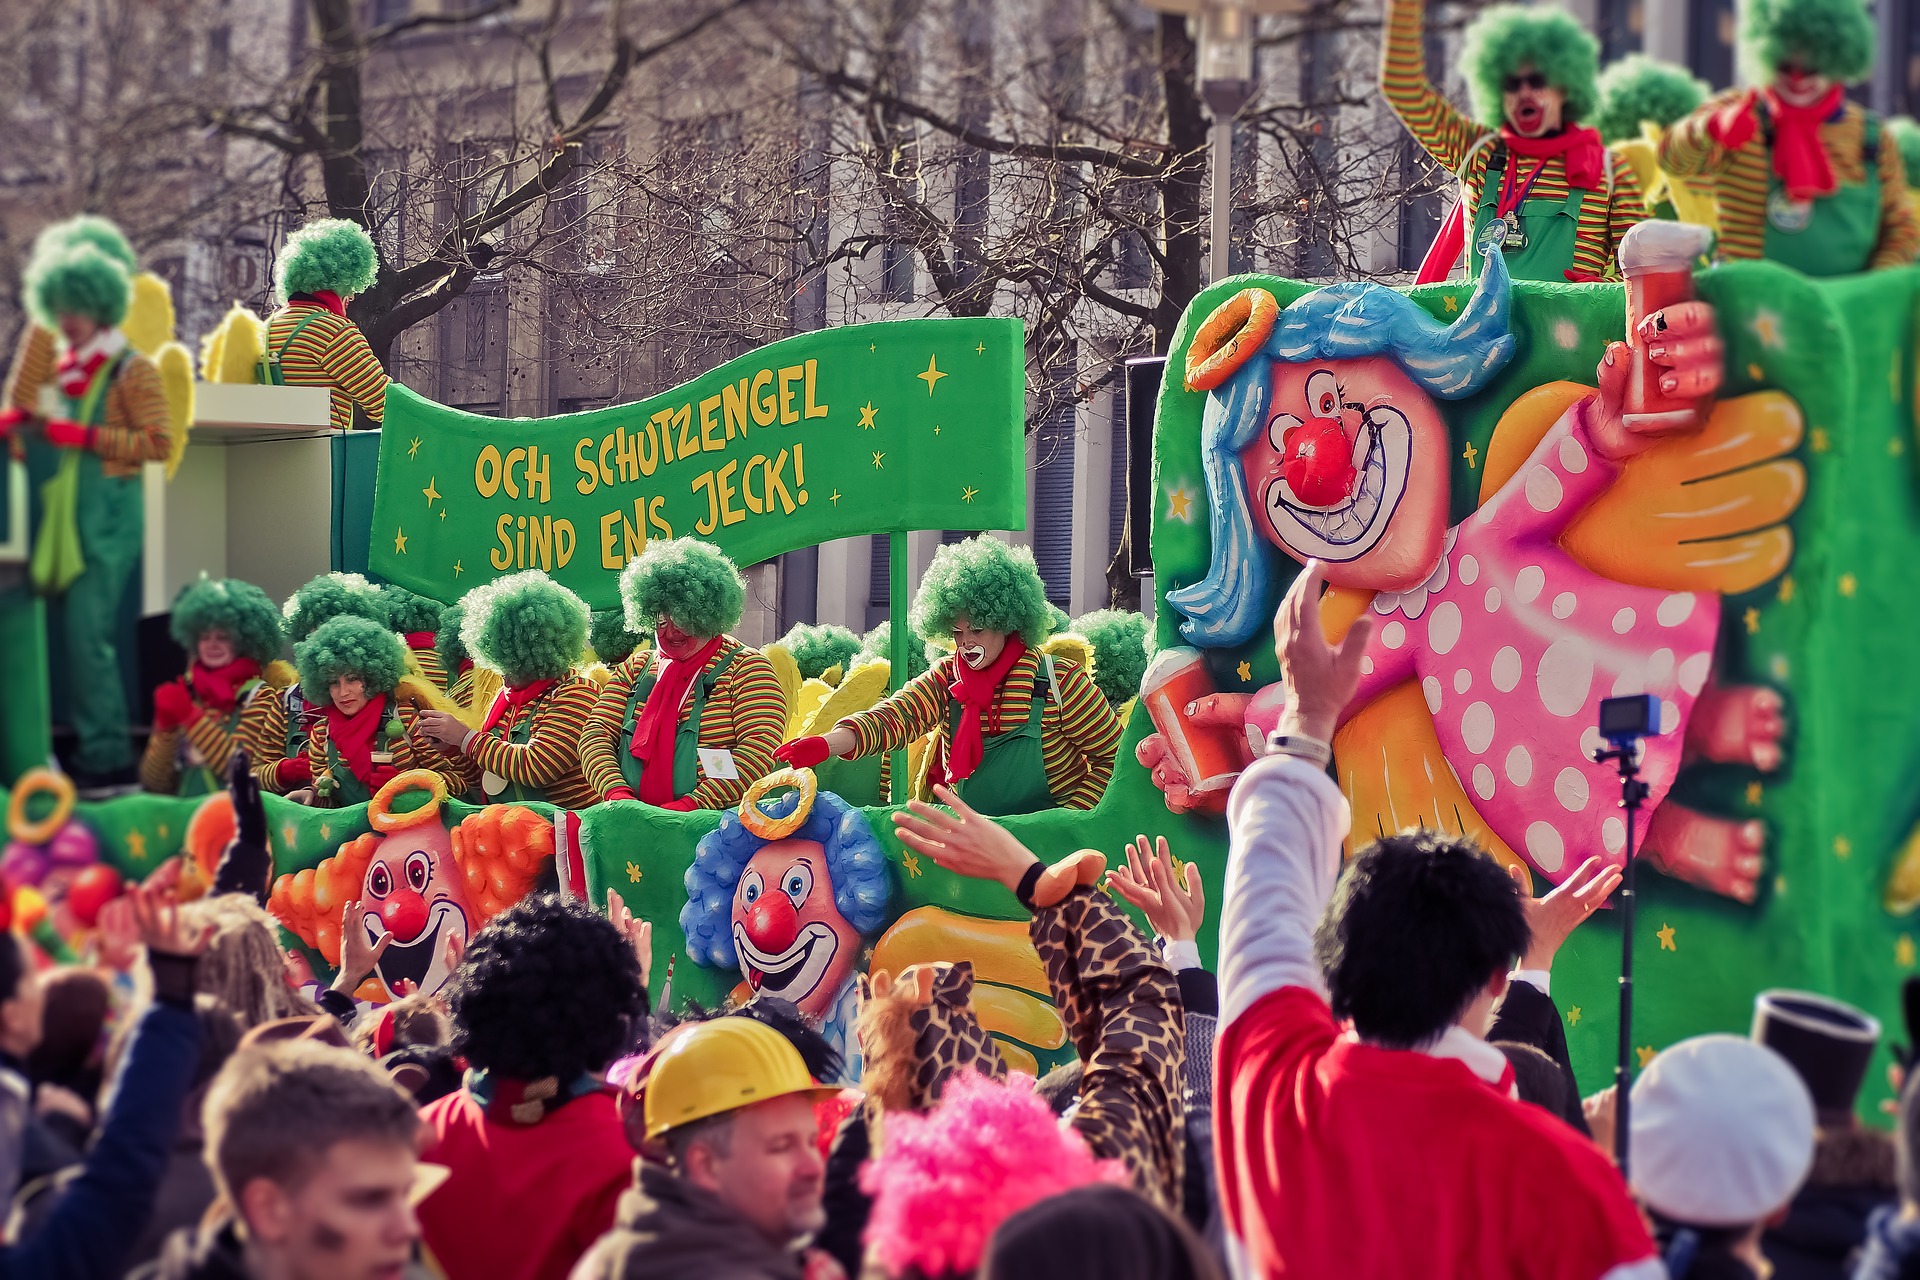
x: 1514, y: 84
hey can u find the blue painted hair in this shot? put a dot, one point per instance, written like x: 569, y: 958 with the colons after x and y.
x: 856, y: 869
x: 1340, y: 322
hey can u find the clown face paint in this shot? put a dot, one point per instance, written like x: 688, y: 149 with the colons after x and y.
x: 414, y: 891
x: 1352, y: 469
x: 792, y: 941
x: 977, y: 647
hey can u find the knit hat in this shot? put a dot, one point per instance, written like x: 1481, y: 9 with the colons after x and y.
x: 1722, y: 1132
x: 1827, y: 1042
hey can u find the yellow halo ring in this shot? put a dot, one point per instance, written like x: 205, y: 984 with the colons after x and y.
x: 380, y: 814
x: 34, y: 782
x: 764, y: 824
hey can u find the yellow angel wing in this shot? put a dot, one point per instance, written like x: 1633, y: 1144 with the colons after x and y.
x: 175, y: 365
x: 863, y: 687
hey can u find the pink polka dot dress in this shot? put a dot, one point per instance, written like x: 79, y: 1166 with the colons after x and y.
x: 1514, y: 644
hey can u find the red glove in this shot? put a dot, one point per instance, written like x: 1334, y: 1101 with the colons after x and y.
x: 684, y: 804
x: 802, y: 753
x: 173, y: 706
x: 69, y: 435
x: 1734, y: 125
x: 293, y: 772
x: 619, y: 793
x: 10, y: 420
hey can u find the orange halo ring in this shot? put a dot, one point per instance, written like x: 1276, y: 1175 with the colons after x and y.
x: 380, y: 814
x: 1233, y: 332
x: 764, y: 824
x: 34, y: 782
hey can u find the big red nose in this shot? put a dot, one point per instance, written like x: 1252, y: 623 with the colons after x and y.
x: 1319, y: 463
x: 404, y: 914
x: 772, y: 923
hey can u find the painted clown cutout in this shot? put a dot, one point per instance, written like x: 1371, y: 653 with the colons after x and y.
x: 786, y: 890
x: 1592, y: 568
x: 430, y: 886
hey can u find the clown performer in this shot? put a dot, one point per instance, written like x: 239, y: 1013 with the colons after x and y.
x: 1019, y: 730
x: 280, y: 749
x: 310, y: 342
x: 231, y: 629
x: 1564, y: 200
x: 533, y: 632
x: 107, y: 414
x: 1512, y: 640
x: 1802, y: 176
x: 417, y: 619
x: 364, y: 736
x: 695, y: 721
x: 786, y: 890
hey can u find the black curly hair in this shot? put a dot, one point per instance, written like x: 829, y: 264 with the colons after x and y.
x: 548, y: 989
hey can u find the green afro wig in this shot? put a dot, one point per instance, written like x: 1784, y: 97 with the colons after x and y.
x: 328, y: 254
x: 815, y: 649
x: 687, y: 581
x: 1905, y: 131
x: 608, y: 635
x: 447, y: 641
x: 349, y: 646
x: 877, y: 644
x: 77, y: 280
x: 245, y: 612
x: 1119, y: 641
x: 1638, y: 88
x: 88, y: 229
x: 407, y: 611
x: 1832, y: 37
x: 993, y: 585
x: 526, y: 626
x: 1507, y: 37
x: 330, y: 596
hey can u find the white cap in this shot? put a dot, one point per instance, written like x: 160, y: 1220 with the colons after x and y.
x: 1722, y: 1132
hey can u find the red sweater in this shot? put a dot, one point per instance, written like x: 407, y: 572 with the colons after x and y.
x: 524, y: 1201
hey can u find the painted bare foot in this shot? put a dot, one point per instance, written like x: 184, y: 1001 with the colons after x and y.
x: 1716, y: 854
x: 1738, y: 724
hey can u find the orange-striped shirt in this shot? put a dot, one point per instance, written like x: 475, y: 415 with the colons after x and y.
x: 549, y: 760
x: 330, y: 352
x: 136, y: 426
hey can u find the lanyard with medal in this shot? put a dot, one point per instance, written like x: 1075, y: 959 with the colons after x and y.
x: 1507, y: 230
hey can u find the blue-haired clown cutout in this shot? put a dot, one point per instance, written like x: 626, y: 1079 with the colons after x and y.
x: 1592, y: 567
x: 785, y: 889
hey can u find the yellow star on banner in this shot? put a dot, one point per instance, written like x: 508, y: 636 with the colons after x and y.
x: 1903, y: 951
x: 413, y: 448
x: 1645, y: 1053
x: 878, y: 461
x: 912, y: 864
x: 968, y: 493
x: 136, y: 846
x: 982, y: 350
x: 1786, y: 589
x: 432, y: 493
x: 1573, y: 1016
x: 456, y: 568
x: 1754, y: 792
x: 1848, y: 584
x: 1842, y: 847
x: 1469, y: 453
x: 931, y: 376
x: 866, y: 416
x: 834, y: 497
x: 1766, y: 327
x: 1818, y: 440
x: 633, y: 872
x: 1245, y: 671
x: 1752, y: 618
x: 1451, y: 303
x: 399, y: 542
x: 1665, y: 934
x: 1180, y: 505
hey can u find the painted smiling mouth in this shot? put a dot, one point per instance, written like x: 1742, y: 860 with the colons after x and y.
x: 795, y: 972
x: 1381, y: 453
x: 417, y: 961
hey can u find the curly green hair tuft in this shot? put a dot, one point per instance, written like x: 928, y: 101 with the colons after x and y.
x: 1119, y: 640
x: 409, y: 611
x: 349, y: 646
x: 993, y: 585
x: 86, y: 228
x: 1832, y: 37
x: 1638, y: 88
x: 877, y: 645
x: 447, y: 641
x: 609, y: 637
x: 245, y: 612
x: 1905, y: 131
x: 526, y: 626
x: 328, y: 254
x: 1507, y: 37
x: 815, y: 649
x: 689, y: 582
x: 330, y: 596
x: 77, y: 280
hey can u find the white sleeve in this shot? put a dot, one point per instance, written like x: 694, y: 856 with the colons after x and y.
x: 1285, y: 822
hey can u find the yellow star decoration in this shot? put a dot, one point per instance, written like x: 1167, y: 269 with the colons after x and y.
x: 1842, y: 847
x: 1665, y: 934
x: 931, y: 376
x: 633, y: 872
x: 1786, y: 589
x: 1469, y: 453
x: 1818, y: 440
x: 413, y: 448
x: 878, y: 461
x: 1903, y: 951
x: 1573, y: 1016
x: 1645, y: 1053
x: 1766, y: 327
x: 834, y: 497
x: 866, y: 416
x: 980, y: 350
x: 1848, y: 585
x: 1451, y: 303
x: 1754, y: 792
x: 912, y: 864
x: 1245, y: 671
x: 1752, y: 618
x: 968, y: 493
x: 1180, y: 505
x: 136, y: 846
x: 456, y: 568
x: 433, y: 494
x: 399, y: 542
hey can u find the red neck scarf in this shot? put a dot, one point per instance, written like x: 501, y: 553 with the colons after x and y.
x: 659, y: 718
x: 218, y: 688
x: 324, y: 298
x: 507, y: 705
x: 1799, y: 157
x: 419, y: 639
x: 975, y: 691
x: 353, y: 735
x: 1585, y: 154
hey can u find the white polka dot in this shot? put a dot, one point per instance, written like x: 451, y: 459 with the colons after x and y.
x: 1519, y: 766
x: 1469, y: 570
x: 1506, y: 669
x: 1590, y: 742
x: 1660, y: 669
x: 1570, y: 789
x: 1493, y: 600
x: 1675, y: 609
x: 1443, y: 627
x: 1693, y: 672
x: 1527, y: 584
x: 1613, y: 835
x: 1483, y: 782
x: 1572, y: 456
x: 1393, y: 635
x: 1431, y: 687
x: 1563, y: 604
x: 1564, y: 676
x: 1544, y: 845
x: 1366, y: 665
x: 1623, y: 622
x: 1462, y: 680
x: 1669, y: 716
x: 1543, y: 489
x: 1476, y: 727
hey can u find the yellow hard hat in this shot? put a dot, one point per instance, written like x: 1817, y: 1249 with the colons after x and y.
x: 722, y: 1065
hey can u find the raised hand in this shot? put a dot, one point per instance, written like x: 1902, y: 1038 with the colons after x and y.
x: 965, y: 842
x: 1318, y: 678
x: 1153, y: 882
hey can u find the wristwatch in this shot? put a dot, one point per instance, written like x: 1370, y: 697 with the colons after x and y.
x: 1297, y: 744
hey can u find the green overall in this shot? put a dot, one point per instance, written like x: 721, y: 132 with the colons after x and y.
x: 1831, y: 236
x: 200, y: 779
x: 1012, y: 774
x: 348, y: 790
x: 686, y: 739
x: 1541, y: 234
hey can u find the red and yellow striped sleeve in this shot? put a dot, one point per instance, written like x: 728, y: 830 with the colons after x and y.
x: 33, y: 366
x: 747, y: 715
x: 1447, y: 133
x: 550, y: 758
x: 137, y: 427
x: 1080, y: 733
x: 1899, y: 240
x: 600, y: 745
x: 919, y: 708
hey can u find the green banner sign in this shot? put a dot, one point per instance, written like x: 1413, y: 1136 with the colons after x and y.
x: 876, y: 428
